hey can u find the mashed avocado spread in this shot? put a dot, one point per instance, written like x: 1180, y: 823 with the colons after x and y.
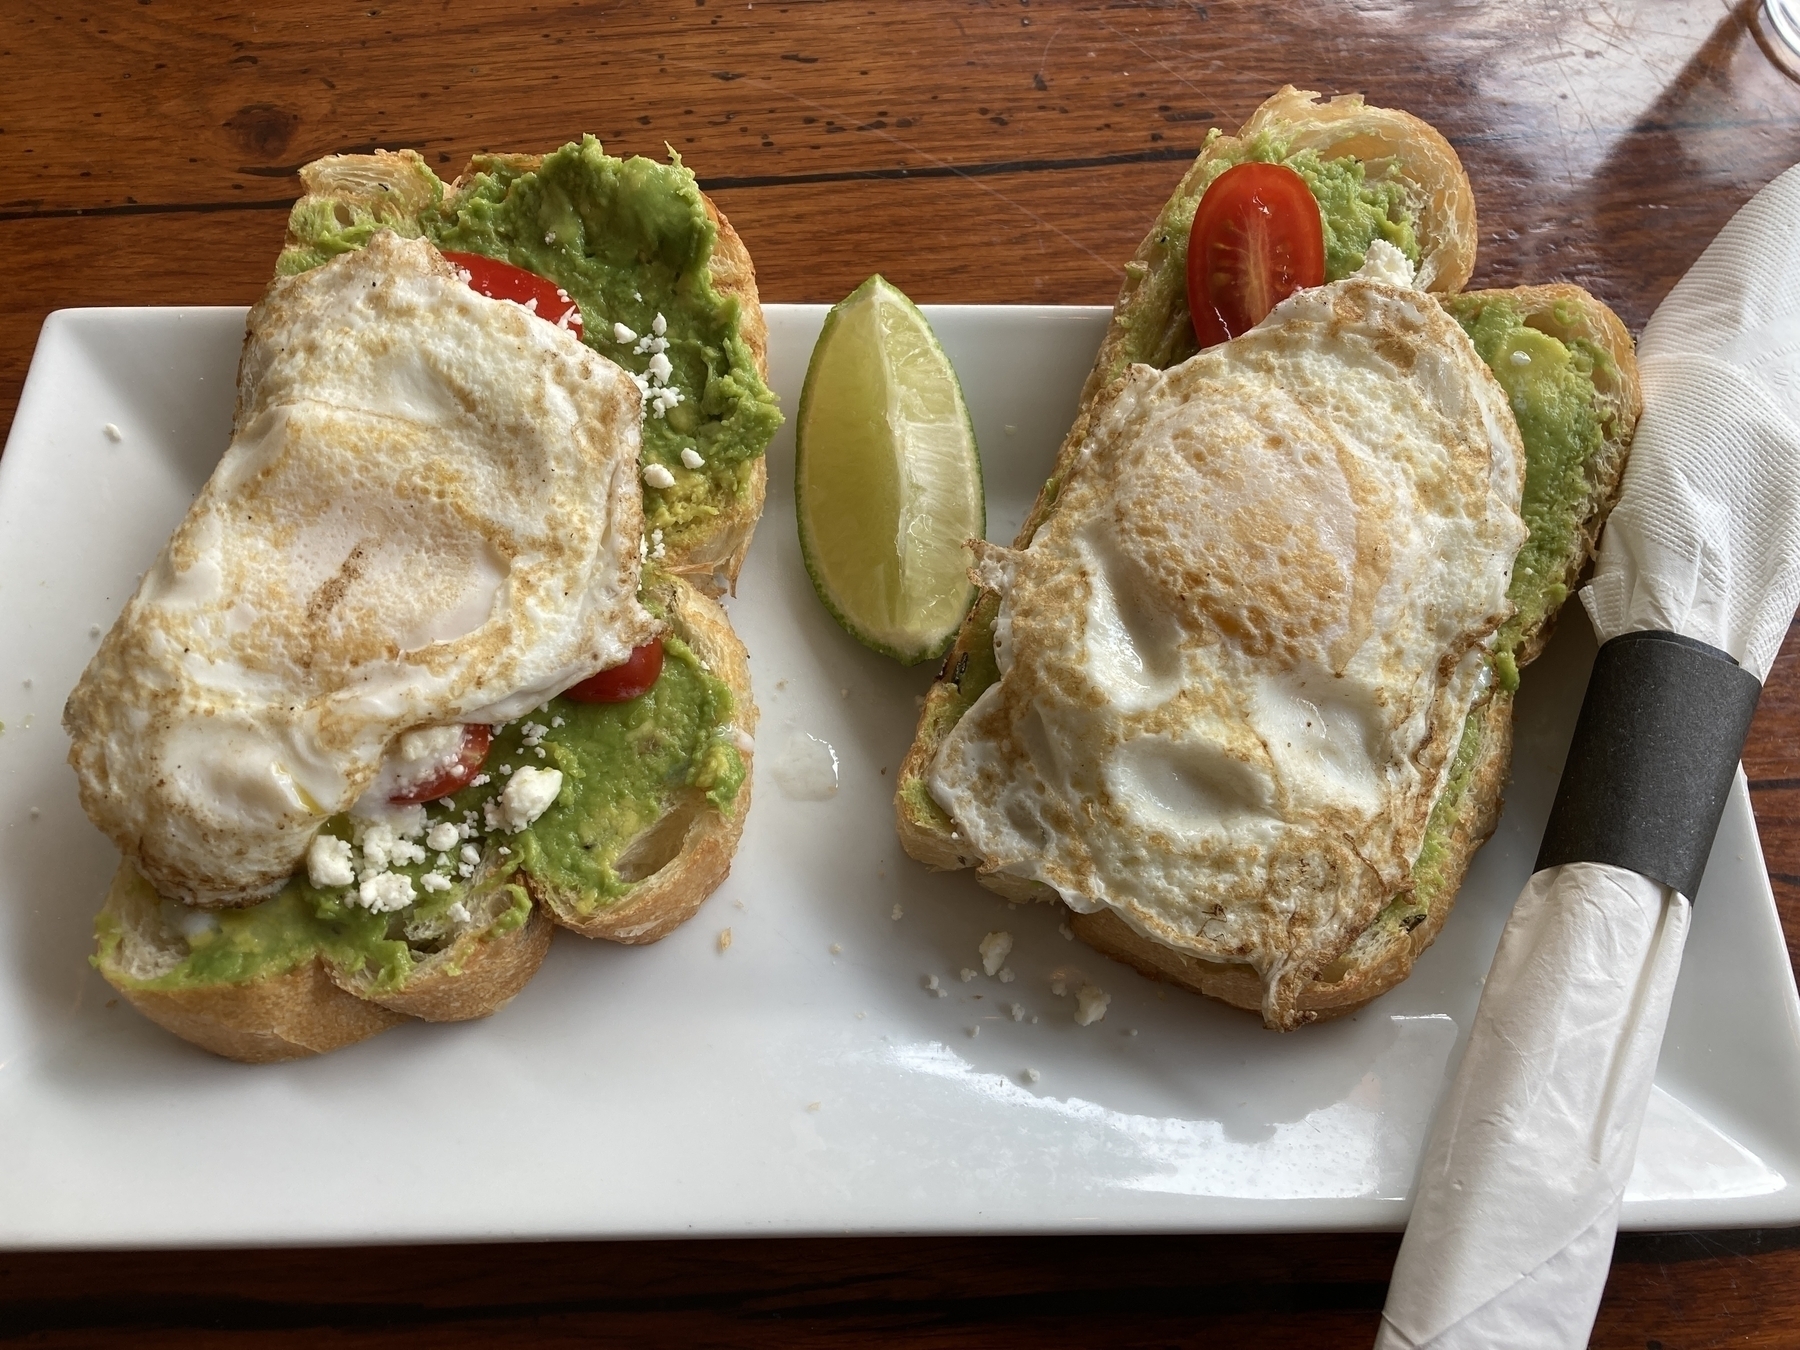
x: 1353, y: 212
x: 623, y: 766
x: 1551, y: 388
x: 628, y: 239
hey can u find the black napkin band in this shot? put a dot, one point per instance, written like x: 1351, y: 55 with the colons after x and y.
x: 1661, y: 730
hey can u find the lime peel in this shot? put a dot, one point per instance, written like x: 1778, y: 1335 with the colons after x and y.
x: 887, y: 477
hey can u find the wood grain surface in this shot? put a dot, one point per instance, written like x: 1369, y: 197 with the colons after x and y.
x: 1007, y: 151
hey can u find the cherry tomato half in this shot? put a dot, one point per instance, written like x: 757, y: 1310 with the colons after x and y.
x: 623, y: 682
x: 502, y: 281
x: 1257, y: 239
x: 454, y: 776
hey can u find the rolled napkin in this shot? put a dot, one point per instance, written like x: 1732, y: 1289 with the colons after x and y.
x: 1518, y: 1198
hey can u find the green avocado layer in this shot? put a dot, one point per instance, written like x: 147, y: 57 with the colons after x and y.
x: 628, y: 239
x: 1562, y: 424
x: 1550, y: 385
x: 1353, y: 212
x: 623, y: 765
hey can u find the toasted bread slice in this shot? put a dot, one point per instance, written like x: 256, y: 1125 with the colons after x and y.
x: 680, y: 859
x: 293, y: 1013
x: 1150, y: 322
x: 1465, y: 815
x: 394, y: 189
x: 457, y: 967
x: 463, y: 968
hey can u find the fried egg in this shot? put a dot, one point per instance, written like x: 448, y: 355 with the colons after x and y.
x: 1237, y: 656
x: 428, y: 514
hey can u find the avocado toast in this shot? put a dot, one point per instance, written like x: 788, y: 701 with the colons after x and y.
x: 1565, y: 364
x: 643, y: 830
x: 634, y: 243
x: 615, y: 818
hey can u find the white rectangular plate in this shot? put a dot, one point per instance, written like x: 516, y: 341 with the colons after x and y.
x: 804, y: 1080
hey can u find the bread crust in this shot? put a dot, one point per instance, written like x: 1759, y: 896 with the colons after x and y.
x: 1568, y: 313
x: 395, y: 186
x: 478, y: 973
x: 290, y: 1015
x: 1442, y: 199
x: 1384, y: 954
x: 689, y: 852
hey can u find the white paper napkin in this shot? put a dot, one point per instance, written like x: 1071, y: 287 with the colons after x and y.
x: 1518, y: 1199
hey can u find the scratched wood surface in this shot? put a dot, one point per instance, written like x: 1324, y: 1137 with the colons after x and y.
x: 1009, y: 151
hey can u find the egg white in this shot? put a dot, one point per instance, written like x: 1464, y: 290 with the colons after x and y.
x: 1237, y: 657
x: 428, y: 514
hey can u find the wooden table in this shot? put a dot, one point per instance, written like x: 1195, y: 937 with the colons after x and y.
x: 1007, y: 151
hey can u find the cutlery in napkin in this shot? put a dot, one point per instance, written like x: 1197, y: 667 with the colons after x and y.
x: 1518, y: 1197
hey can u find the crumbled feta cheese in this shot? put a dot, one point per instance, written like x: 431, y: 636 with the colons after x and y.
x: 557, y: 722
x: 659, y: 325
x: 1017, y: 1010
x: 658, y: 477
x: 1067, y: 932
x: 442, y: 836
x: 692, y: 458
x: 623, y: 334
x: 995, y: 948
x: 328, y: 862
x: 659, y: 369
x: 1059, y: 985
x: 195, y: 923
x: 1031, y: 1075
x: 377, y: 846
x: 898, y: 912
x: 932, y: 986
x: 967, y: 974
x: 481, y: 780
x: 1384, y: 262
x: 549, y: 236
x: 527, y: 796
x: 973, y: 1031
x: 1006, y: 975
x: 385, y: 892
x: 465, y: 870
x: 837, y: 948
x: 657, y: 547
x: 1090, y: 1004
x: 724, y: 939
x: 435, y: 881
x: 457, y: 913
x: 1520, y: 358
x: 470, y: 854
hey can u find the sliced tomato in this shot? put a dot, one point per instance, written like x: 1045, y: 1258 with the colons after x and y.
x: 502, y: 281
x: 632, y: 678
x: 454, y: 776
x: 1257, y: 238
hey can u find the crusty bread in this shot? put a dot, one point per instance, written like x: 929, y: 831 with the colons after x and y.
x: 395, y: 187
x: 1383, y: 955
x: 470, y: 969
x: 1569, y: 314
x: 465, y: 968
x: 1150, y: 320
x: 682, y: 858
x: 294, y: 1013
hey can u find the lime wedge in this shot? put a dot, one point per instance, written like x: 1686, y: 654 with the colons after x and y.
x: 887, y: 480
